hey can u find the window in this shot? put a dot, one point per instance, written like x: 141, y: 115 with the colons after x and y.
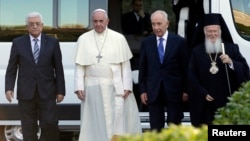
x: 241, y: 13
x: 64, y: 19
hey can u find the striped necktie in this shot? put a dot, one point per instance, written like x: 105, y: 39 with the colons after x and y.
x: 161, y: 49
x: 36, y: 50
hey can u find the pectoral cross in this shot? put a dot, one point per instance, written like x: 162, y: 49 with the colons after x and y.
x: 99, y: 57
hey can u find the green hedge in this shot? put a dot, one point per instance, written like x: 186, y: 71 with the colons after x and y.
x: 236, y: 111
x: 172, y: 133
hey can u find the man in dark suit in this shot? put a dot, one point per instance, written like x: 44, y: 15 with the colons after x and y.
x: 136, y: 22
x: 162, y: 79
x: 40, y: 82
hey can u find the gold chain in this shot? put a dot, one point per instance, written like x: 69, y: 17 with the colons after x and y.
x: 214, y: 57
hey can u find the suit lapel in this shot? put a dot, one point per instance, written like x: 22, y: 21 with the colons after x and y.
x: 168, y: 47
x: 28, y: 47
x: 154, y: 50
x: 42, y: 47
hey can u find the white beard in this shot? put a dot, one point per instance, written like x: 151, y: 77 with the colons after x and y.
x: 213, y: 47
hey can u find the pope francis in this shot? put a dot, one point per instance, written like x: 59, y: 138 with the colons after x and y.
x: 103, y: 81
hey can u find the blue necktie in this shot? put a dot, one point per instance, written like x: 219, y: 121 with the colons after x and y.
x: 36, y: 50
x: 161, y: 49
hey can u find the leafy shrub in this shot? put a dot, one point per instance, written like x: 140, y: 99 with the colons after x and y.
x: 172, y: 133
x: 236, y: 111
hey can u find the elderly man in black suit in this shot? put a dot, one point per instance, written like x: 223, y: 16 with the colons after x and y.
x: 37, y: 59
x: 162, y: 72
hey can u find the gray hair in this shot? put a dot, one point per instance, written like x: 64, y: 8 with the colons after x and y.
x: 100, y: 10
x: 32, y: 15
x: 163, y: 13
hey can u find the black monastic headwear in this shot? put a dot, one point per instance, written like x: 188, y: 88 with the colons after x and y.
x: 211, y: 19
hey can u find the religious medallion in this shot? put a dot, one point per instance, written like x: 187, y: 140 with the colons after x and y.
x: 213, y: 69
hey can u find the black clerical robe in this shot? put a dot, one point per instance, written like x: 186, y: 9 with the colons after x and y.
x: 203, y: 82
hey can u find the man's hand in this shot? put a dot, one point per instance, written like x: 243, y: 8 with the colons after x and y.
x: 226, y: 59
x: 144, y: 98
x: 126, y: 93
x: 9, y: 95
x: 184, y: 97
x: 80, y: 94
x: 209, y: 98
x: 59, y: 98
x: 141, y: 13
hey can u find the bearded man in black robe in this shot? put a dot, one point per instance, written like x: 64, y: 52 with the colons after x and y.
x: 216, y: 69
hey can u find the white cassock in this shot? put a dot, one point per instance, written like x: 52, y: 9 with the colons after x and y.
x: 104, y: 112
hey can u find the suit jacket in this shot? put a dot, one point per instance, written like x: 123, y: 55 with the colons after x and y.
x: 171, y: 74
x: 47, y: 75
x: 130, y: 25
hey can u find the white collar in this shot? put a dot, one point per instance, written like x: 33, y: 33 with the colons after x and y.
x: 165, y: 36
x: 39, y: 37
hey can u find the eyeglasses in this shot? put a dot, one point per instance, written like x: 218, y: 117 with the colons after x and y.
x: 34, y: 24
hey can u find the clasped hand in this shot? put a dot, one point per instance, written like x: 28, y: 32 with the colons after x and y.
x: 226, y: 59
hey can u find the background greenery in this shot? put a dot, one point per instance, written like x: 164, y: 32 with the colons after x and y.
x: 172, y: 133
x: 236, y: 112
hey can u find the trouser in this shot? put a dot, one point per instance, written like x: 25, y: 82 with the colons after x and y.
x: 44, y: 111
x: 159, y: 107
